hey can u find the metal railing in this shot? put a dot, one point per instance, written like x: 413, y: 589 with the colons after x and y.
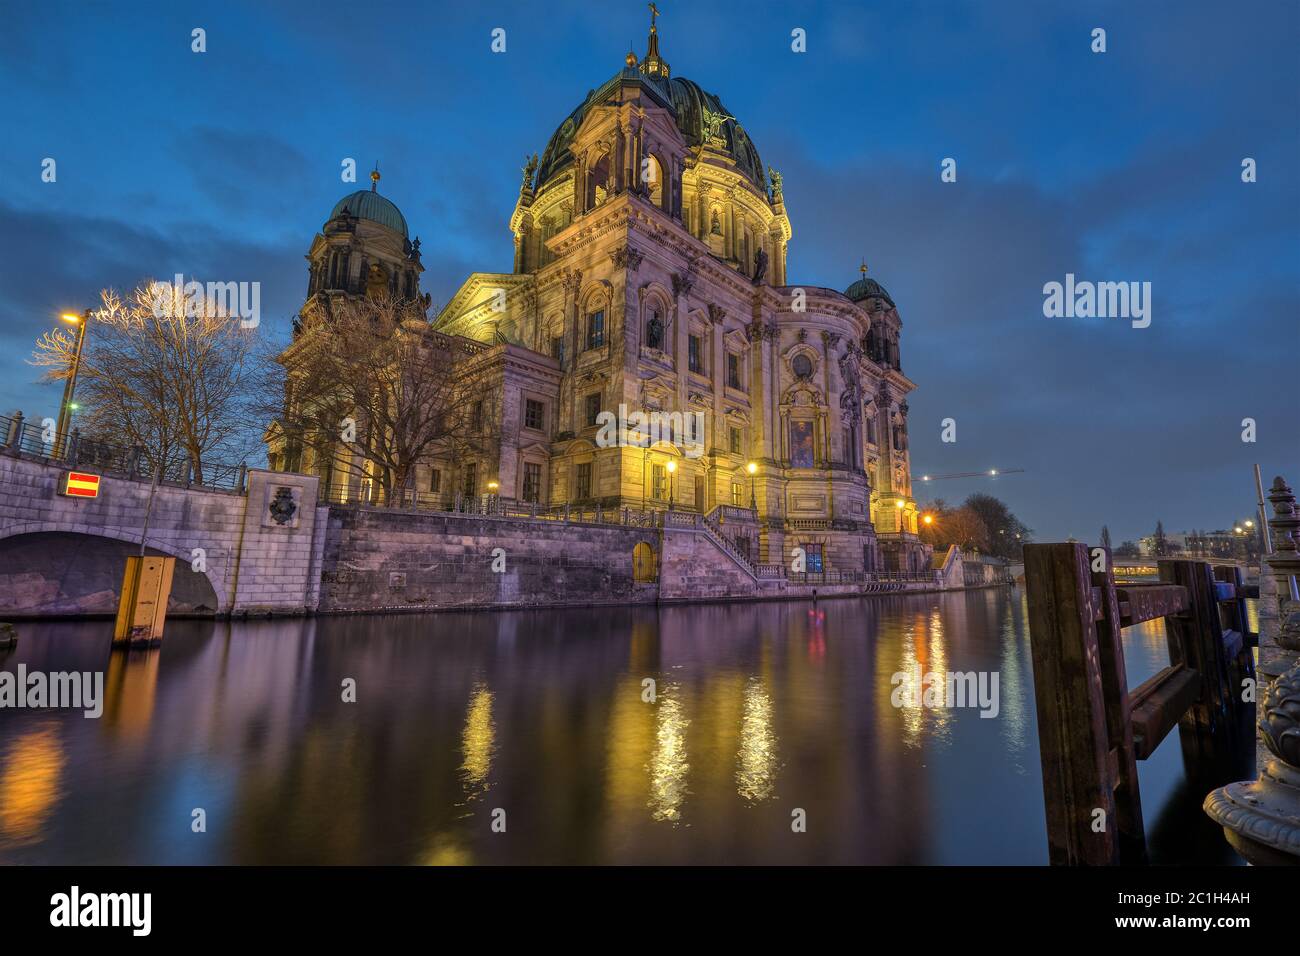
x: 27, y: 440
x: 883, y: 580
x: 494, y: 506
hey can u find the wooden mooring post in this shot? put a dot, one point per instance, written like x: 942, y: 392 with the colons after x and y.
x: 1092, y: 729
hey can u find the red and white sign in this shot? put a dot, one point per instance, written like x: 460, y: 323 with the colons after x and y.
x: 78, y: 484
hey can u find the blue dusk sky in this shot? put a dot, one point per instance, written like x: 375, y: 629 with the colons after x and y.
x: 1118, y: 166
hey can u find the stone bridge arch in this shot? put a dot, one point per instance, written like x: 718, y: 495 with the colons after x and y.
x: 258, y: 560
x: 46, y: 569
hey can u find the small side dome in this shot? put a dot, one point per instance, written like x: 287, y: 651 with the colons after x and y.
x: 367, y: 204
x: 866, y: 288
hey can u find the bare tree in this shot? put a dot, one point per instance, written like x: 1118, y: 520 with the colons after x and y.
x: 163, y: 370
x: 373, y: 390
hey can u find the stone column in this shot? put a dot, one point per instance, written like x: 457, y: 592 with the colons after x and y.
x: 1261, y: 818
x: 717, y: 320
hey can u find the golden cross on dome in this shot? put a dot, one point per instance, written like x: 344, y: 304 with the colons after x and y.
x: 863, y: 267
x: 654, y: 12
x: 374, y: 178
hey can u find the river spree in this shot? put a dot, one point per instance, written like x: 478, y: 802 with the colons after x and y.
x: 761, y: 711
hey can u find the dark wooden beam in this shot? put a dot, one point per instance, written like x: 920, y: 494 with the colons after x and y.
x: 1157, y: 704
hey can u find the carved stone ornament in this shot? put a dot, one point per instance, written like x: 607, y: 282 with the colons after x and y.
x: 1261, y: 818
x: 717, y: 314
x: 282, y: 507
x: 682, y: 284
x: 625, y: 257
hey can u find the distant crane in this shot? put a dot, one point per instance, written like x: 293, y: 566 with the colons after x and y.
x: 991, y: 473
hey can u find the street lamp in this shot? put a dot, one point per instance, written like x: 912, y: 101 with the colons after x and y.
x: 672, y: 467
x: 70, y: 386
x: 752, y: 468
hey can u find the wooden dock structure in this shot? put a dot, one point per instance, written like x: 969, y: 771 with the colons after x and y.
x: 1092, y: 729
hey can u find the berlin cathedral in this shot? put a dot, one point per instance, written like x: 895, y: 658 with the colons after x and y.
x: 650, y: 250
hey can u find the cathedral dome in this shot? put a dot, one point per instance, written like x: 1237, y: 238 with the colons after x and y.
x: 866, y: 288
x: 368, y: 204
x: 700, y: 116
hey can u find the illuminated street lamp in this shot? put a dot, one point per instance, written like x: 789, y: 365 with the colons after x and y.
x: 70, y: 386
x: 752, y: 468
x: 928, y: 518
x: 672, y: 467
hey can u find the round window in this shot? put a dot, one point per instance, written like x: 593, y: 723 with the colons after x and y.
x: 802, y: 366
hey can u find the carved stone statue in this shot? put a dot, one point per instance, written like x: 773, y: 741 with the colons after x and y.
x: 376, y: 282
x: 528, y: 170
x: 760, y: 265
x: 773, y: 175
x: 715, y: 226
x: 654, y: 332
x: 851, y: 394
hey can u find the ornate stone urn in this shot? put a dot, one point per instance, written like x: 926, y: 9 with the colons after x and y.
x: 1261, y: 818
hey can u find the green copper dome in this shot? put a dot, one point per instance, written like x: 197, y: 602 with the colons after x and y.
x: 368, y: 204
x: 866, y: 288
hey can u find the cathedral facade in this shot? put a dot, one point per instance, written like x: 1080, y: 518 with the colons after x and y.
x: 650, y: 251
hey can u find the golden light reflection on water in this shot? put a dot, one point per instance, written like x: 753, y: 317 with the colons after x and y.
x: 668, y: 766
x: 922, y: 651
x: 478, y: 740
x: 756, y: 763
x: 446, y: 850
x: 30, y: 784
x: 130, y: 689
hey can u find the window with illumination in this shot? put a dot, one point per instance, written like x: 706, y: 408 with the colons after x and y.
x: 532, y: 481
x: 596, y: 329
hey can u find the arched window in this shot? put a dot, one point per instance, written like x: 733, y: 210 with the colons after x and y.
x: 653, y: 180
x: 598, y: 182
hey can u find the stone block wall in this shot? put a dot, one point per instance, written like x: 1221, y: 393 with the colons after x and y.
x: 693, y: 568
x: 404, y: 560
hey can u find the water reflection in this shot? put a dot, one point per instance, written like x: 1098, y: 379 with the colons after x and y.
x: 668, y: 767
x: 756, y: 761
x: 30, y: 784
x: 760, y: 709
x: 477, y: 740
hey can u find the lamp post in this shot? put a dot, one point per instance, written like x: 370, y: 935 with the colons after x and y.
x: 672, y: 467
x: 752, y: 468
x: 492, y: 495
x: 70, y: 386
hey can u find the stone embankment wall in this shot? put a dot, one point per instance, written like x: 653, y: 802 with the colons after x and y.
x: 376, y: 559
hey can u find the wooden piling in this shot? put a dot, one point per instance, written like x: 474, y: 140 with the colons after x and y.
x: 1073, y: 741
x: 1115, y: 697
x: 1195, y: 639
